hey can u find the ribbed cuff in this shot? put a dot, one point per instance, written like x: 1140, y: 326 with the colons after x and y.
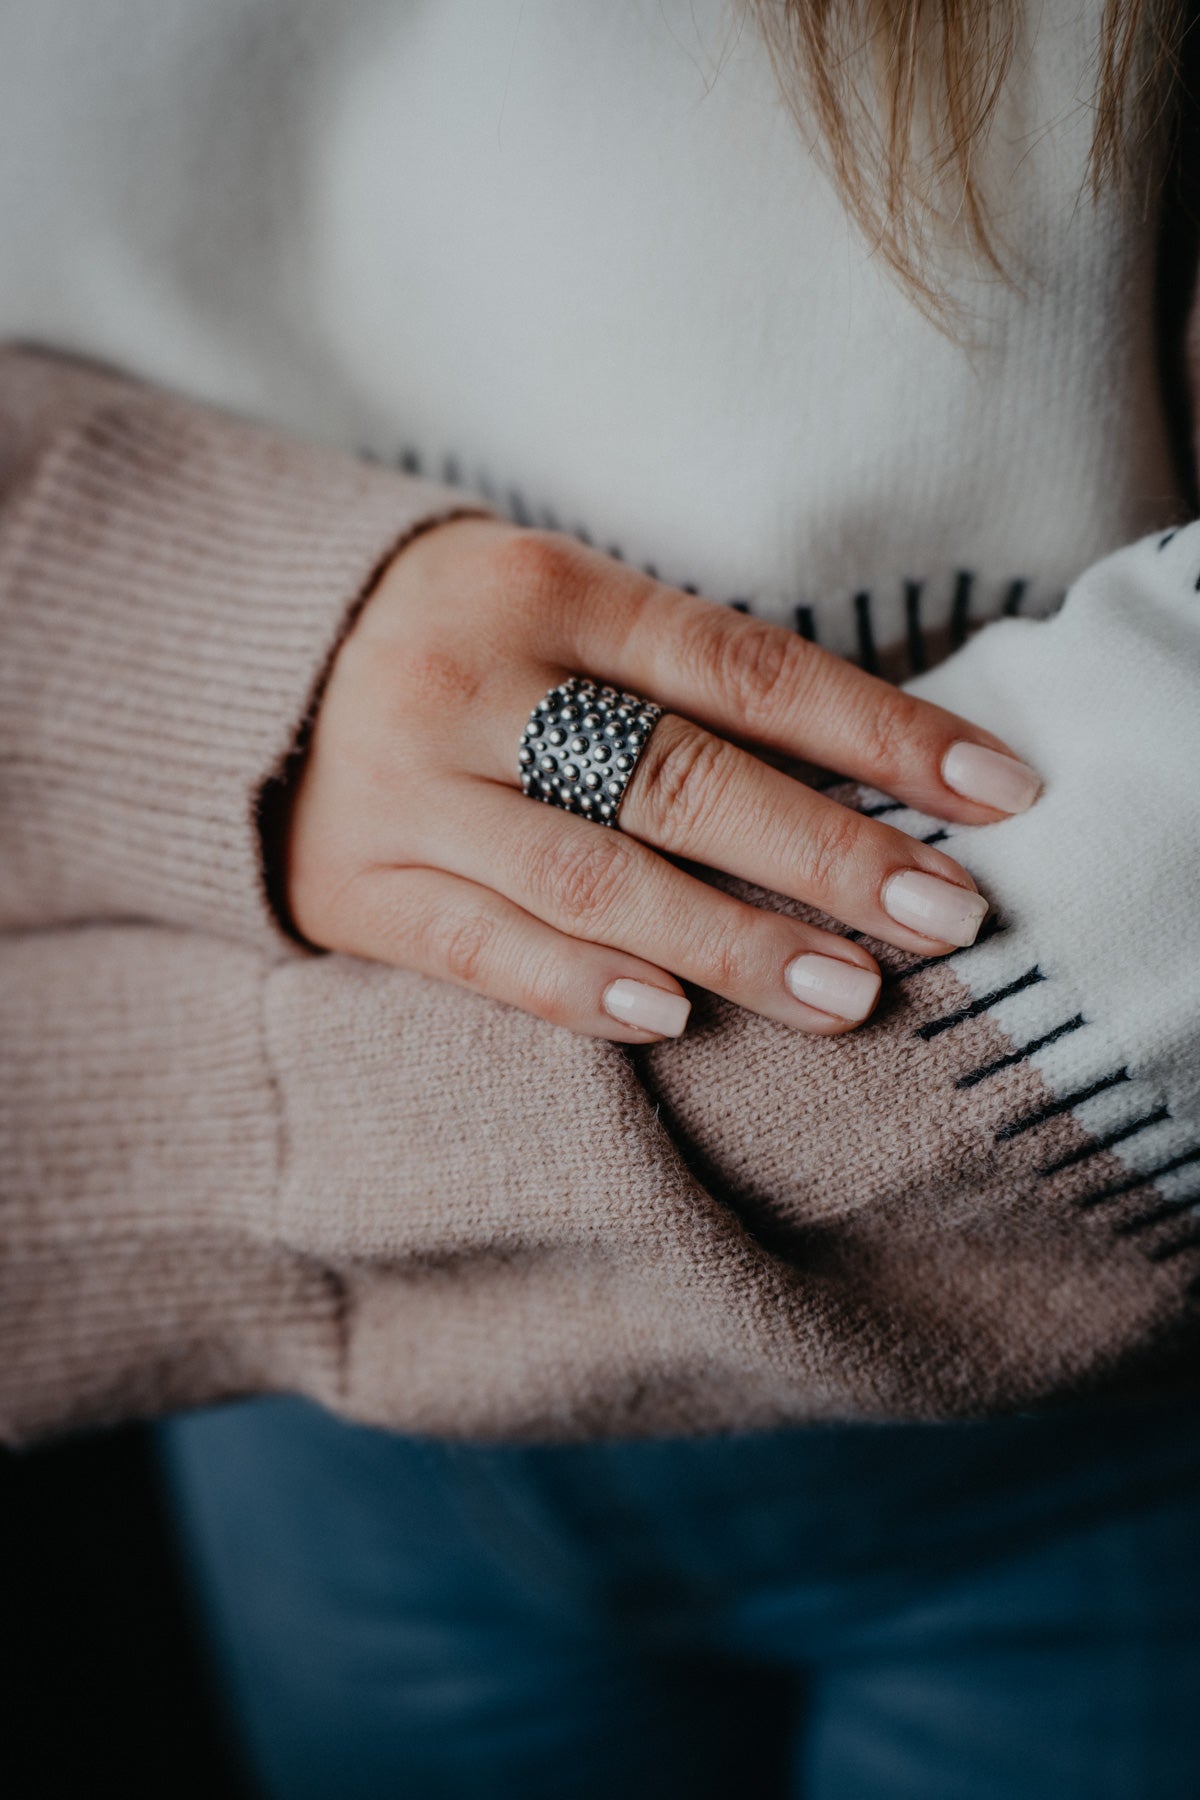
x: 140, y: 1158
x: 173, y: 584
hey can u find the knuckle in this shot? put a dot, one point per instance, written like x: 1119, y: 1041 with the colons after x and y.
x: 545, y: 994
x: 680, y: 777
x: 428, y: 677
x: 724, y: 958
x: 534, y: 568
x: 888, y: 729
x: 831, y: 846
x: 750, y: 663
x: 581, y: 879
x: 460, y: 944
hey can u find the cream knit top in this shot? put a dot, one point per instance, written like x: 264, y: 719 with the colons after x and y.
x: 579, y: 264
x: 581, y: 257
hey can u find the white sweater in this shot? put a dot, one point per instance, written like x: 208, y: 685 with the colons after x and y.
x: 580, y: 255
x: 579, y: 258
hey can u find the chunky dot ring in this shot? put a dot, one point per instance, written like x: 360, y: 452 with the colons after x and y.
x: 582, y: 744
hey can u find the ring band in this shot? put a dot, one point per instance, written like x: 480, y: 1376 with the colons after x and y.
x: 581, y: 746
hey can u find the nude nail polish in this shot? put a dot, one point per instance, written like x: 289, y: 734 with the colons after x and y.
x: 935, y: 908
x: 646, y: 1007
x: 832, y: 986
x: 990, y: 777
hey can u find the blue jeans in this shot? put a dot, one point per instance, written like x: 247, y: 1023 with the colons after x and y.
x: 1006, y: 1611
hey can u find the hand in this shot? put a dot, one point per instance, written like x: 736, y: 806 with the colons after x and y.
x: 411, y: 843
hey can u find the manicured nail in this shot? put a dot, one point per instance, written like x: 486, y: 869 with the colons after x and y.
x: 648, y: 1008
x: 833, y: 986
x: 990, y: 777
x: 935, y: 908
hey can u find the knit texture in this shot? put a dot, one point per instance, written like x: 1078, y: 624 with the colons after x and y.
x: 140, y: 1150
x: 234, y: 1168
x: 223, y: 1176
x: 174, y: 583
x: 1099, y: 878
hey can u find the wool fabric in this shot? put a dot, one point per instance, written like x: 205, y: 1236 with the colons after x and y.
x: 580, y: 265
x: 230, y: 1167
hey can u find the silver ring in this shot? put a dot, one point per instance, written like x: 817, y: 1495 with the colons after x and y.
x: 581, y: 746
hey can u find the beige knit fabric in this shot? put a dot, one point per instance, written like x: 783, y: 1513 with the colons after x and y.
x: 172, y: 586
x: 227, y: 1166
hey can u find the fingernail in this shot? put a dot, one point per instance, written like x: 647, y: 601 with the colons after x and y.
x: 936, y: 908
x: 990, y: 777
x: 833, y: 986
x: 648, y: 1008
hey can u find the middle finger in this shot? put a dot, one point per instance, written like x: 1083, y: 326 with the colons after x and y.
x: 696, y: 795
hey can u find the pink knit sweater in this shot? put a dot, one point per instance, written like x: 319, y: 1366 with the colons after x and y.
x: 229, y: 1166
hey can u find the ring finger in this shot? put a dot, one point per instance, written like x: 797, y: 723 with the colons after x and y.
x: 696, y: 795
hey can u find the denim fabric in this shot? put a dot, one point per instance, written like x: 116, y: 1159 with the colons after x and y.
x: 979, y: 1612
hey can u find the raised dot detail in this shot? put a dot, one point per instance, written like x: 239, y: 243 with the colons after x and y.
x: 581, y: 746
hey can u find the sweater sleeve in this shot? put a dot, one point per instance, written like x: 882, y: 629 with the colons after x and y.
x: 173, y: 584
x: 139, y: 1173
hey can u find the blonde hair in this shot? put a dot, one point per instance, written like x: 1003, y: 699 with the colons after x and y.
x: 903, y: 92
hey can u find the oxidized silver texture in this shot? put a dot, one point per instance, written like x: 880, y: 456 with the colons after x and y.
x: 581, y: 746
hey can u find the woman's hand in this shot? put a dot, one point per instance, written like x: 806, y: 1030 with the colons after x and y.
x: 410, y: 841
